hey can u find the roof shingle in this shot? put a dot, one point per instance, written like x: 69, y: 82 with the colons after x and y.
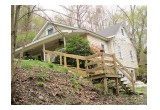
x: 109, y: 31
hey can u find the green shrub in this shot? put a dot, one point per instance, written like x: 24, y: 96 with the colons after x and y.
x: 26, y: 64
x: 141, y: 70
x: 79, y: 46
x: 42, y: 76
x: 75, y: 45
x: 75, y: 83
x: 141, y: 90
x: 40, y: 83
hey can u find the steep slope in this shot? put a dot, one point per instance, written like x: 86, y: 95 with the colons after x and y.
x: 37, y: 83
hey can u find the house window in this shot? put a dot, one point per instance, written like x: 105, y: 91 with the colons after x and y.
x: 50, y: 31
x: 122, y: 32
x: 131, y: 55
x: 102, y: 46
x: 119, y: 52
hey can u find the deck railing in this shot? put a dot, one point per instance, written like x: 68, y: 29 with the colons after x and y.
x: 94, y: 64
x: 63, y: 60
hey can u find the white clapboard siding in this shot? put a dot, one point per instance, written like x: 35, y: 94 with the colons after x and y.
x: 97, y: 41
x: 126, y: 46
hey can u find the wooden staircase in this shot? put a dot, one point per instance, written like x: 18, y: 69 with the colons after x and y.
x: 125, y: 87
x: 106, y: 66
x: 98, y: 66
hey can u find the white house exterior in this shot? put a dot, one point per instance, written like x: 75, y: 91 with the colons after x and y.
x: 113, y: 39
x: 121, y: 45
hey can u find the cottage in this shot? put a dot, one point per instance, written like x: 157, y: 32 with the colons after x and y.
x: 113, y: 39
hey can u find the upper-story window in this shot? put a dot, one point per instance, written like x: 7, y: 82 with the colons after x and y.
x: 50, y: 31
x: 131, y: 55
x: 102, y: 47
x: 122, y: 32
x: 119, y: 52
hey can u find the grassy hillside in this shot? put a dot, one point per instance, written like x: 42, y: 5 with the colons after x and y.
x: 30, y: 64
x: 39, y: 82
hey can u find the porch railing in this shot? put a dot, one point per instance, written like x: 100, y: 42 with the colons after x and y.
x: 94, y: 64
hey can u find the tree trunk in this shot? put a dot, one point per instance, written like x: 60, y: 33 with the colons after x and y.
x: 14, y: 27
x: 12, y: 37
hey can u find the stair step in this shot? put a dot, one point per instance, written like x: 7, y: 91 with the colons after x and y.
x: 123, y: 80
x: 121, y: 75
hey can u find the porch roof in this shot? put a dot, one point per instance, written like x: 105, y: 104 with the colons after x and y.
x: 42, y: 41
x: 57, y: 35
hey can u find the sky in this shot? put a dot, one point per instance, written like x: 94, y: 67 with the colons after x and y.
x: 54, y: 7
x: 58, y: 8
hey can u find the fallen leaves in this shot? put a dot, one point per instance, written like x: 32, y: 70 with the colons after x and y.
x: 59, y: 89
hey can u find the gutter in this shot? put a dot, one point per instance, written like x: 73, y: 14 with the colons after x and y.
x: 40, y: 41
x: 92, y: 33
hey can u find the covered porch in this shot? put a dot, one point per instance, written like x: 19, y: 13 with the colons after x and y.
x: 53, y: 42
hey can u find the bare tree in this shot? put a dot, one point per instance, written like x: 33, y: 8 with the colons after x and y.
x: 14, y: 27
x: 78, y: 12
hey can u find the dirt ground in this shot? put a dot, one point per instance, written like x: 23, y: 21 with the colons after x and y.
x: 29, y: 87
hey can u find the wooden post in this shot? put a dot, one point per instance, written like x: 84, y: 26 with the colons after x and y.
x: 48, y: 57
x: 77, y: 60
x: 44, y: 52
x: 65, y: 62
x: 105, y: 86
x: 117, y: 87
x: 60, y: 60
x: 64, y: 40
x: 133, y: 87
x: 113, y: 56
x: 103, y: 64
x: 115, y: 70
x: 86, y: 62
x: 105, y: 78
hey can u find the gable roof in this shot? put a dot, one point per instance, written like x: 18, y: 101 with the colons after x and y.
x: 54, y: 24
x: 110, y: 31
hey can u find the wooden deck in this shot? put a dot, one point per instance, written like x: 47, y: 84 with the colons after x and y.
x: 99, y: 65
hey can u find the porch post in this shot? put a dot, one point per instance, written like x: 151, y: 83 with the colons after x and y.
x: 64, y: 39
x: 44, y: 52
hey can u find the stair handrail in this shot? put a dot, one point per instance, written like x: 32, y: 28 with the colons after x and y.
x: 126, y: 73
